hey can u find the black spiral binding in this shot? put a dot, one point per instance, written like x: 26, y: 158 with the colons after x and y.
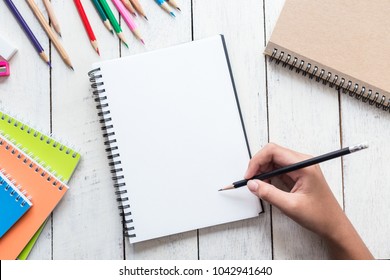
x: 44, y: 174
x: 13, y: 192
x: 340, y: 83
x: 112, y: 150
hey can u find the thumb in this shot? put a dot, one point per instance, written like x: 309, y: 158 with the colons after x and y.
x: 270, y: 194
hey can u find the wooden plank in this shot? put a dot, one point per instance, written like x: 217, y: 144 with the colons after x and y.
x: 304, y: 116
x: 162, y: 31
x: 365, y: 174
x: 87, y: 223
x: 242, y: 24
x: 26, y: 93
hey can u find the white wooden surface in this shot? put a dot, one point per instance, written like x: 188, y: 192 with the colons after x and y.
x: 278, y: 105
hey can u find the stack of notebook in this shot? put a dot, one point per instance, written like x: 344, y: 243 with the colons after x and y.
x: 34, y: 171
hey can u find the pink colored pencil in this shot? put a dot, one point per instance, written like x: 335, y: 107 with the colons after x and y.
x: 128, y: 19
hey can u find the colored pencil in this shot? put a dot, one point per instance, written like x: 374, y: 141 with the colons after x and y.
x: 102, y: 15
x: 27, y: 31
x: 173, y: 4
x: 38, y: 14
x: 165, y: 7
x: 52, y: 16
x: 128, y: 19
x: 299, y: 165
x: 129, y: 7
x: 137, y: 6
x: 113, y: 21
x: 87, y: 25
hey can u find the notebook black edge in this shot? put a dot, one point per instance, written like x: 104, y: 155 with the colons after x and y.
x: 238, y: 104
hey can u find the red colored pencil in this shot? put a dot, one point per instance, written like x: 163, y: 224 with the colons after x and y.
x: 87, y: 25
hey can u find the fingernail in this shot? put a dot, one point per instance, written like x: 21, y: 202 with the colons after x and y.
x: 252, y: 186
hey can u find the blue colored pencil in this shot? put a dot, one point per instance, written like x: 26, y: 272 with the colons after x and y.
x: 165, y: 7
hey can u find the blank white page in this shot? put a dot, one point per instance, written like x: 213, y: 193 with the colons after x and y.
x: 180, y: 138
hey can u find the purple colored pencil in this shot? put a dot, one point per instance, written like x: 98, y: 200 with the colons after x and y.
x: 27, y: 30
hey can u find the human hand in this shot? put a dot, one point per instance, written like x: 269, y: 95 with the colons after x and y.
x: 310, y: 202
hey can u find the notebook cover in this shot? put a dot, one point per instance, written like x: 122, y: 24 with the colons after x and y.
x: 13, y: 204
x: 61, y: 158
x: 179, y: 141
x: 348, y: 38
x: 51, y: 154
x: 45, y: 189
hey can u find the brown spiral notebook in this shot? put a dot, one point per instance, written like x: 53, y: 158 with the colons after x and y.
x: 344, y: 44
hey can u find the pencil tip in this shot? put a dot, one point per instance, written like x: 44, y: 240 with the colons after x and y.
x: 230, y: 187
x: 172, y: 14
x: 60, y: 35
x: 127, y: 46
x: 134, y: 14
x: 142, y: 41
x: 145, y: 17
x: 97, y: 50
x: 112, y: 32
x: 48, y: 63
x: 178, y: 9
x: 71, y: 67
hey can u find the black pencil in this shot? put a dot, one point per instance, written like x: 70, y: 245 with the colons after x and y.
x: 298, y: 165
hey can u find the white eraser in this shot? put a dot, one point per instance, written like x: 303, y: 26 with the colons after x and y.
x: 7, y: 50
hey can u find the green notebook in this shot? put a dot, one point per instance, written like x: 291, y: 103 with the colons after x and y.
x: 51, y: 154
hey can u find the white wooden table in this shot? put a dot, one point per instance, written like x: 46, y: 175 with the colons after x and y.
x: 278, y: 105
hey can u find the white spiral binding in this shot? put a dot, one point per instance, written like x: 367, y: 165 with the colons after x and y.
x: 359, y: 92
x: 19, y: 155
x: 42, y: 137
x: 20, y: 196
x: 112, y: 150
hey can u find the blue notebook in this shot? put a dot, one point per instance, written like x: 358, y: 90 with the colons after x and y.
x: 13, y: 204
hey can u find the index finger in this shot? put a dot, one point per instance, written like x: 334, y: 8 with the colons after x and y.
x: 272, y: 154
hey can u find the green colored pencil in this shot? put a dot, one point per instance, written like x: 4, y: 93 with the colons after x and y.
x: 102, y: 15
x: 113, y: 21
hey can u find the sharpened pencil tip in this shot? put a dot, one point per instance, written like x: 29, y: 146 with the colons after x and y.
x: 48, y: 63
x: 230, y: 187
x: 145, y: 17
x: 178, y: 9
x: 98, y: 52
x: 127, y: 46
x: 172, y: 14
x: 71, y: 67
x: 142, y: 41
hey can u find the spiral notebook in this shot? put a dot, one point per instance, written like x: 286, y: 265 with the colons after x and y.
x: 44, y: 188
x: 341, y: 43
x: 50, y: 153
x: 13, y: 204
x: 55, y: 156
x: 172, y: 143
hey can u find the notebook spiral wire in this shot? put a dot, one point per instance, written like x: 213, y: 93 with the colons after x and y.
x: 54, y: 182
x: 112, y: 151
x: 340, y: 83
x: 48, y: 140
x: 13, y: 193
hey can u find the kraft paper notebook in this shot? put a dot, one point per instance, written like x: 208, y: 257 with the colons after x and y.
x: 341, y: 43
x: 174, y: 136
x: 13, y: 204
x: 44, y: 188
x: 50, y: 153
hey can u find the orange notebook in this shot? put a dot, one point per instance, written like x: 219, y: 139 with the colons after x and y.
x: 46, y: 192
